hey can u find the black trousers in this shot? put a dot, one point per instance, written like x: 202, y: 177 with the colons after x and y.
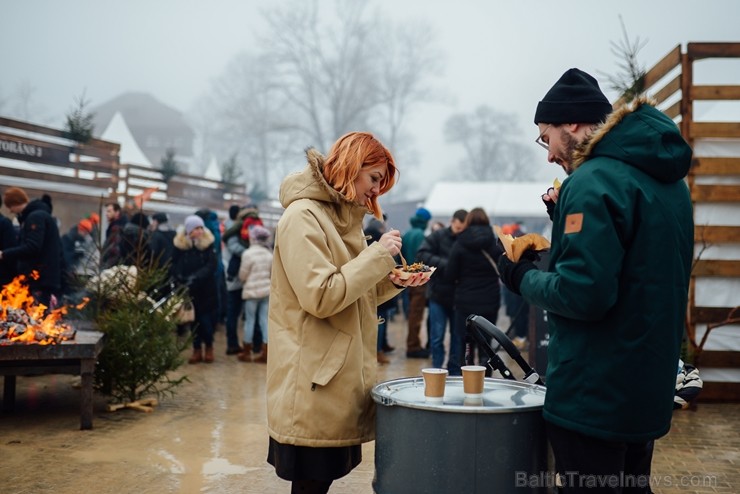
x: 587, y: 464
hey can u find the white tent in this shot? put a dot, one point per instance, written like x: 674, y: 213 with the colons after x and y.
x: 212, y: 170
x: 498, y: 199
x: 118, y: 131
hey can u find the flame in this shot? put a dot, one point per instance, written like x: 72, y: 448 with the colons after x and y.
x: 36, y: 326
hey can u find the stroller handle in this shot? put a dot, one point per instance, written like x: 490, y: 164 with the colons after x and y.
x: 475, y: 322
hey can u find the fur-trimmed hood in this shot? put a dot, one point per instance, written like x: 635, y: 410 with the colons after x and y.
x: 310, y: 184
x: 641, y: 136
x: 183, y: 242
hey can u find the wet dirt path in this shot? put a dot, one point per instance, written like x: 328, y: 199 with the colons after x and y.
x: 211, y: 438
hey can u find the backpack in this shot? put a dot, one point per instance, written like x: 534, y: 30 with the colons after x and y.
x: 232, y: 269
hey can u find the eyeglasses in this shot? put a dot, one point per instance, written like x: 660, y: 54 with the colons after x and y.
x: 540, y: 141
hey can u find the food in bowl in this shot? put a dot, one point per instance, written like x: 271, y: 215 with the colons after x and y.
x: 405, y: 272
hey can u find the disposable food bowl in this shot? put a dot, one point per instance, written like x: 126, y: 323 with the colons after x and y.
x: 426, y: 271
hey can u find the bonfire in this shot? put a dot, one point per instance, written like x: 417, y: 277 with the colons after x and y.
x: 25, y: 321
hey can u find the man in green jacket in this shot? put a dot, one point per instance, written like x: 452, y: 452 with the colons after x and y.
x: 616, y: 287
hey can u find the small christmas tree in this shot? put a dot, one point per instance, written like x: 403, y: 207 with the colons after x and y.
x: 80, y: 121
x: 168, y: 165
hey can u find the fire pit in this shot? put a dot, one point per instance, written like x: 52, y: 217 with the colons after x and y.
x: 35, y: 343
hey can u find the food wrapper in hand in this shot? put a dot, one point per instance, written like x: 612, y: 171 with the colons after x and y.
x: 515, y: 247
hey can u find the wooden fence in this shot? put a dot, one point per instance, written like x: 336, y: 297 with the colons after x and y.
x: 714, y: 181
x: 80, y: 178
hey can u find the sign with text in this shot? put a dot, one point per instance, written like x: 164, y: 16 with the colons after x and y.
x: 21, y: 148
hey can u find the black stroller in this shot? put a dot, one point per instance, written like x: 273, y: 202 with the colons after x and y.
x: 478, y: 329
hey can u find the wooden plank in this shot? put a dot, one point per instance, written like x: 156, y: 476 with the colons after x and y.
x: 714, y: 129
x: 715, y: 93
x: 718, y: 358
x: 716, y: 268
x: 719, y: 392
x: 697, y: 51
x: 665, y: 65
x: 668, y: 90
x: 101, y: 182
x: 687, y: 107
x: 709, y: 315
x: 40, y: 129
x: 713, y: 234
x: 674, y: 110
x: 715, y: 193
x: 716, y: 166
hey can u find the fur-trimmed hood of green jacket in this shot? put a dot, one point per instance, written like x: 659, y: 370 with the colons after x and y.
x: 617, y: 283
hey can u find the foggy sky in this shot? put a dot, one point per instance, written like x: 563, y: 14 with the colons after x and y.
x: 504, y: 54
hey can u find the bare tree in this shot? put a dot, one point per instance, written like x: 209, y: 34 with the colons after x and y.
x: 25, y: 107
x: 247, y: 112
x: 315, y: 79
x: 492, y: 151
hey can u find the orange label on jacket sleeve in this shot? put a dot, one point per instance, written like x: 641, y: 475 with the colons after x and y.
x: 574, y: 223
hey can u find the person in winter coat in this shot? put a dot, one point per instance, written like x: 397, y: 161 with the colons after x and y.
x: 616, y: 287
x: 111, y: 255
x: 8, y: 239
x: 39, y: 246
x: 194, y: 265
x: 326, y: 285
x: 254, y: 273
x: 210, y: 219
x: 234, y: 246
x: 471, y: 269
x: 161, y: 240
x: 417, y: 298
x: 435, y: 251
x: 134, y: 242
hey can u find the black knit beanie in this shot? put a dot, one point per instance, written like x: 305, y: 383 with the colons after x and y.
x: 575, y: 98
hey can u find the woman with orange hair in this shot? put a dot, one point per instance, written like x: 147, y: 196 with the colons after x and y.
x: 326, y: 285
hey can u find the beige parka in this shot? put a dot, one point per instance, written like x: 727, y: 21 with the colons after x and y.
x: 323, y: 325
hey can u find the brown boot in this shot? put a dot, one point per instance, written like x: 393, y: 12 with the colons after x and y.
x: 262, y: 357
x: 382, y: 358
x: 196, y: 357
x: 246, y: 354
x: 208, y: 359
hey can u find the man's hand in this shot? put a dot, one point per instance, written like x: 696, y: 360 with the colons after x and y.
x: 512, y: 273
x: 550, y: 198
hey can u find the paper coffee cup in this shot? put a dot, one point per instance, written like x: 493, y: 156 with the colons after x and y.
x: 434, y: 384
x: 473, y: 379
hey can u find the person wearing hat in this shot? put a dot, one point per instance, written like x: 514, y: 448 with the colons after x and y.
x: 135, y: 249
x: 161, y: 240
x: 234, y: 246
x: 417, y: 296
x: 194, y: 265
x: 39, y: 246
x: 254, y: 273
x: 617, y: 284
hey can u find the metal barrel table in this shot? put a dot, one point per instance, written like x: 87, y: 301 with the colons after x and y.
x: 493, y: 444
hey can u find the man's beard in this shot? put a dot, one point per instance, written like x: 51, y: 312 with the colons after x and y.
x: 570, y: 146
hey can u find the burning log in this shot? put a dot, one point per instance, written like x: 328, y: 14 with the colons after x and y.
x: 23, y: 320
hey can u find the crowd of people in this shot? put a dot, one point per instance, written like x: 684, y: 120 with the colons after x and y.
x: 190, y: 255
x: 615, y: 287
